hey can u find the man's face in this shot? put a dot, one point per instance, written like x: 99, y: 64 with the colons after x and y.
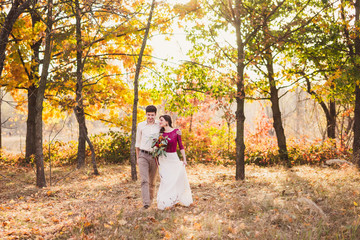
x: 150, y: 116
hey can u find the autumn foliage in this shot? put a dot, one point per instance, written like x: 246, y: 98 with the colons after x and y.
x: 207, y: 142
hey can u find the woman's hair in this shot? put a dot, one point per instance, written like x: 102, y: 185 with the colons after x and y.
x: 167, y: 118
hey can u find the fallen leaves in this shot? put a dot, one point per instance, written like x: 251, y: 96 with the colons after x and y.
x: 109, y: 206
x: 197, y: 226
x: 122, y: 222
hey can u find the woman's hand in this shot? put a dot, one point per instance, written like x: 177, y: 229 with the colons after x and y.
x: 183, y: 156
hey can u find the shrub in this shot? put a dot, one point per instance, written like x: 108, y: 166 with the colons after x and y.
x: 112, y: 147
x: 61, y: 153
x: 204, y: 144
x: 209, y: 143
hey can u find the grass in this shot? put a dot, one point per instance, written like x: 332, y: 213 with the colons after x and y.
x: 304, y: 202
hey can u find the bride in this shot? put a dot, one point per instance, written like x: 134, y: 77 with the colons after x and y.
x: 174, y: 185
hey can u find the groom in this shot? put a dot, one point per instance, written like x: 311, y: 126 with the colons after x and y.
x: 146, y: 132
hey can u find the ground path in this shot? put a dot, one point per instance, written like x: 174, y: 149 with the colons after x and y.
x: 272, y: 203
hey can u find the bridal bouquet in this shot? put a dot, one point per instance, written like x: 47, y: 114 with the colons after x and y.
x: 159, y: 146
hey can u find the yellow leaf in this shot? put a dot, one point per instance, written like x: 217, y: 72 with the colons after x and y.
x: 167, y: 235
x: 231, y: 230
x: 197, y: 226
x: 122, y: 222
x: 355, y: 204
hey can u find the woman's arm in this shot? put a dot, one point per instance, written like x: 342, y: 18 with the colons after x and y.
x: 183, y: 156
x: 182, y: 150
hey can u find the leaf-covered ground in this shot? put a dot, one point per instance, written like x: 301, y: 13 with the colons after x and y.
x: 272, y: 203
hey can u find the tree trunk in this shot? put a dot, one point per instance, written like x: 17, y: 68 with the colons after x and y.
x: 330, y: 112
x: 331, y: 122
x: 93, y: 160
x: 81, y: 144
x: 83, y: 129
x: 30, y: 123
x: 39, y: 156
x: 240, y: 98
x: 356, y: 144
x: 16, y: 9
x: 32, y: 93
x: 136, y: 97
x: 275, y: 107
x: 79, y: 109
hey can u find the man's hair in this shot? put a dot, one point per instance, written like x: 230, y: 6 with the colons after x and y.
x: 151, y: 108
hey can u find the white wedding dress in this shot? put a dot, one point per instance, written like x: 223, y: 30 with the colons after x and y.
x: 174, y: 185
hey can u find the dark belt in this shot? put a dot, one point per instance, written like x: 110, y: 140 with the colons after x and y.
x: 144, y: 151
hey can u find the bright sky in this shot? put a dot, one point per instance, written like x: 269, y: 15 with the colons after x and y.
x: 177, y: 47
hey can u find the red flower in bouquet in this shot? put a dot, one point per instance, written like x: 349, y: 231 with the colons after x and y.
x: 159, y: 146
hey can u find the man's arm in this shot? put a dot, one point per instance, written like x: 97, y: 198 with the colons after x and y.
x: 137, y: 143
x: 137, y: 150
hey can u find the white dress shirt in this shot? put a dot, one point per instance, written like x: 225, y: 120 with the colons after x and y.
x: 145, y: 134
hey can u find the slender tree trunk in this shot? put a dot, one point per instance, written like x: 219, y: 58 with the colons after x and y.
x: 356, y: 144
x: 240, y: 98
x: 17, y: 8
x: 30, y: 123
x: 331, y: 122
x: 136, y: 97
x: 275, y: 107
x: 79, y: 109
x: 39, y: 156
x: 353, y: 55
x: 330, y: 112
x: 81, y: 143
x: 32, y: 93
x: 78, y: 115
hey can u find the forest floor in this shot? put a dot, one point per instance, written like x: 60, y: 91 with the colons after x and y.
x: 304, y: 202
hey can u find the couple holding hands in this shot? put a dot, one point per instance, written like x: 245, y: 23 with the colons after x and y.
x: 156, y: 143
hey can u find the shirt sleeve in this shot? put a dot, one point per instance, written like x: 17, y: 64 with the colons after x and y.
x: 138, y: 136
x: 179, y: 140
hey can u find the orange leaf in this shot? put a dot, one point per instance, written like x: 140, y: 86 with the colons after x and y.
x: 197, y: 226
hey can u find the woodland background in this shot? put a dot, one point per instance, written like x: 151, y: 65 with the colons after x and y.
x: 256, y: 83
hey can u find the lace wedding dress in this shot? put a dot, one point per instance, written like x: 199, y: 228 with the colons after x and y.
x: 174, y: 185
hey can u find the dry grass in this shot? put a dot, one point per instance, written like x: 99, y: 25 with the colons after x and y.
x: 272, y: 203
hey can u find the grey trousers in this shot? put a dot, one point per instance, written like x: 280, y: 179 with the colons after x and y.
x: 147, y: 170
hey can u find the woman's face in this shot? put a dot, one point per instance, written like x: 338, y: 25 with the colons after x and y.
x: 163, y: 123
